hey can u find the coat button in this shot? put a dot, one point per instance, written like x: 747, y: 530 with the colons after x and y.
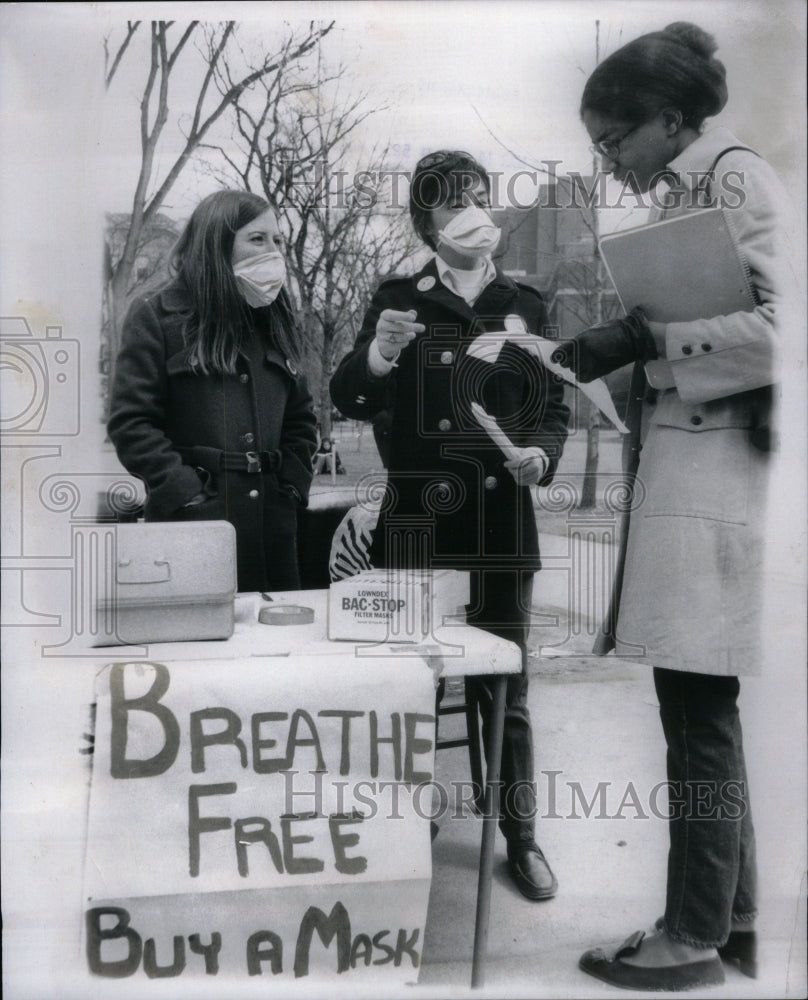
x: 706, y: 348
x: 490, y: 482
x: 444, y: 425
x: 248, y: 438
x: 695, y: 420
x: 244, y: 377
x: 687, y: 349
x: 446, y: 358
x: 253, y: 494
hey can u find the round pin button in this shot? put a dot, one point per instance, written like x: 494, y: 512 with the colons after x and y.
x: 426, y: 284
x: 490, y: 482
x: 291, y: 368
x: 253, y: 494
x: 444, y: 425
x: 446, y: 358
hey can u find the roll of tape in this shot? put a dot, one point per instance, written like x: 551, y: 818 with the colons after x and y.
x: 286, y: 614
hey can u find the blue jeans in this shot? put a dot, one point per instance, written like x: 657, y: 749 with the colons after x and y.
x: 711, y: 861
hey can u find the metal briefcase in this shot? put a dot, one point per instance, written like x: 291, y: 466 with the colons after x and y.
x: 170, y: 582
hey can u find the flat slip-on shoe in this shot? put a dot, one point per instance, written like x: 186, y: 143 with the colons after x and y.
x: 741, y: 947
x: 531, y: 873
x: 666, y: 978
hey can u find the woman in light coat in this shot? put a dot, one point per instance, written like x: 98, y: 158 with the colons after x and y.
x: 691, y: 592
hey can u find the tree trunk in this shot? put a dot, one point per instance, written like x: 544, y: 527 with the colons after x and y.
x: 589, y: 487
x: 325, y: 408
x: 116, y: 289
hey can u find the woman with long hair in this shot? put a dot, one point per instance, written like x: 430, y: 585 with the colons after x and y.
x: 209, y: 406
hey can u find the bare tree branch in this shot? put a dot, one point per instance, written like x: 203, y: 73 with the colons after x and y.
x: 297, y: 147
x: 200, y: 128
x: 109, y: 70
x: 209, y: 106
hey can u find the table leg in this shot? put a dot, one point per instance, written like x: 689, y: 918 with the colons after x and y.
x: 490, y: 817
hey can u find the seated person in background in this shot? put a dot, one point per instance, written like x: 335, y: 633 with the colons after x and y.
x: 452, y: 500
x: 323, y: 458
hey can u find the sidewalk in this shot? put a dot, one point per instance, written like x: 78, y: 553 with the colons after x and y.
x: 595, y: 721
x: 600, y: 752
x: 599, y: 749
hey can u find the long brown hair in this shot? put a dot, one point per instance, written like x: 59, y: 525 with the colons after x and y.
x: 201, y: 262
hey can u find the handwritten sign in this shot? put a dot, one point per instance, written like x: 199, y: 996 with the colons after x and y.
x: 266, y: 817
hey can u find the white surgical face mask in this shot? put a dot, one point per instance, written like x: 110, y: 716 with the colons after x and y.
x: 260, y: 278
x: 471, y: 233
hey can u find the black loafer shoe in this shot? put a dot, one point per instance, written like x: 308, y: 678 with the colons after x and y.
x: 531, y: 873
x: 741, y: 947
x: 666, y: 978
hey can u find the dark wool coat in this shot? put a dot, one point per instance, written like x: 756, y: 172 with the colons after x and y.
x: 449, y: 500
x: 170, y: 424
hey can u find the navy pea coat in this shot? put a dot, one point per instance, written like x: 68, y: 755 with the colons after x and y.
x: 450, y: 502
x: 169, y: 423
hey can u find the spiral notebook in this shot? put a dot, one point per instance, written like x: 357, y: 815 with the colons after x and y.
x: 684, y: 268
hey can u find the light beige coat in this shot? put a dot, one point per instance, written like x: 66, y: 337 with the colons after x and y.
x: 692, y: 589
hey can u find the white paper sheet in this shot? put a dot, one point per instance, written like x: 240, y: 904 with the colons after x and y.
x: 494, y: 431
x: 486, y: 347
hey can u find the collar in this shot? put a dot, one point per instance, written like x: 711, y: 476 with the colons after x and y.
x: 484, y: 276
x: 426, y: 284
x: 697, y: 158
x: 174, y: 298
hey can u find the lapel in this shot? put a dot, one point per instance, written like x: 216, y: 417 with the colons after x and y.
x: 496, y: 296
x: 427, y: 288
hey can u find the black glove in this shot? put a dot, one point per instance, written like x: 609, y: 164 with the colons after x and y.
x: 605, y: 348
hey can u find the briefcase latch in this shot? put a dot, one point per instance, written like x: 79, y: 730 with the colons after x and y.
x: 143, y: 571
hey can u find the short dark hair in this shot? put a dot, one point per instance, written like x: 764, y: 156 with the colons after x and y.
x: 438, y: 177
x: 673, y: 68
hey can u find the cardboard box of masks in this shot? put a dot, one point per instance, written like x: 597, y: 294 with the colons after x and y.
x: 395, y: 605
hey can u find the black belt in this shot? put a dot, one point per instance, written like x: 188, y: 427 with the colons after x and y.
x: 214, y: 459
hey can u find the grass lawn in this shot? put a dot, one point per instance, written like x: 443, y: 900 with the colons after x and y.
x: 360, y: 459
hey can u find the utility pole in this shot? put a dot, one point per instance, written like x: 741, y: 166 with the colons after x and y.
x: 589, y: 485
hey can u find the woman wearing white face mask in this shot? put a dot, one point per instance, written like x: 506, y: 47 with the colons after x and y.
x: 208, y: 403
x: 453, y: 500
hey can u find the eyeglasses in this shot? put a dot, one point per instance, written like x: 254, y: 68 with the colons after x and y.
x: 611, y: 147
x: 442, y: 156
